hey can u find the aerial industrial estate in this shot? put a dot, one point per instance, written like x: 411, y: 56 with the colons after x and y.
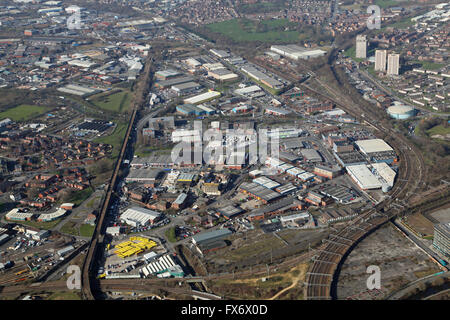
x: 216, y: 150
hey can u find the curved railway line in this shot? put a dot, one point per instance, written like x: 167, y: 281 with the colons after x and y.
x: 322, y: 276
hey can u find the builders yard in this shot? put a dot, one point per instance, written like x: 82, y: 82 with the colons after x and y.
x: 257, y: 248
x: 399, y: 260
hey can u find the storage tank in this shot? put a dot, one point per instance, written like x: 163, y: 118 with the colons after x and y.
x: 401, y: 111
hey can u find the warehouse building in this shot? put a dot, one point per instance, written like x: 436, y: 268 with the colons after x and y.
x: 230, y: 211
x: 352, y: 158
x: 266, y: 182
x: 373, y: 145
x: 163, y: 267
x: 223, y: 75
x: 171, y: 82
x: 250, y: 92
x: 259, y: 192
x: 197, y: 110
x: 311, y: 155
x: 363, y: 177
x: 183, y: 88
x: 385, y: 172
x: 286, y: 204
x: 441, y: 240
x: 204, y: 97
x: 148, y: 176
x: 209, y: 236
x: 295, y: 52
x: 295, y: 217
x: 327, y: 172
x: 78, y: 90
x: 166, y: 74
x: 139, y: 216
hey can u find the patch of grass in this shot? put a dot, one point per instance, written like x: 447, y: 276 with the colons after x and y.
x: 70, y: 228
x: 429, y: 65
x: 386, y: 3
x: 41, y: 225
x: 115, y: 139
x: 440, y: 129
x: 351, y: 52
x: 86, y: 230
x: 91, y: 202
x: 79, y: 197
x: 245, y: 30
x: 116, y: 102
x: 66, y: 295
x: 170, y: 235
x: 24, y: 112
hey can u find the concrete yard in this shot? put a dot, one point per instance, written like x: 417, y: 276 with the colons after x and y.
x: 399, y: 260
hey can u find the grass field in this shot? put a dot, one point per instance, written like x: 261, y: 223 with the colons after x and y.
x: 24, y: 112
x: 68, y: 295
x: 41, y: 225
x: 116, y: 102
x: 429, y: 65
x: 439, y: 130
x: 70, y: 228
x: 170, y: 234
x: 115, y: 139
x: 86, y: 230
x: 387, y: 3
x: 79, y: 197
x: 244, y: 30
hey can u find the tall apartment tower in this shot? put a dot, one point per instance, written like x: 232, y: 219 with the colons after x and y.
x: 361, y: 46
x: 393, y: 64
x: 380, y: 60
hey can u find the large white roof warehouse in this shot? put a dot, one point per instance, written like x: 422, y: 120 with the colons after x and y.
x: 373, y: 145
x: 139, y: 216
x: 363, y: 177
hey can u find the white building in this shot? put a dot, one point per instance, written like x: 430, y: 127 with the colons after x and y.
x: 363, y: 177
x: 139, y: 216
x: 393, y: 64
x: 361, y: 46
x: 380, y: 60
x: 373, y: 145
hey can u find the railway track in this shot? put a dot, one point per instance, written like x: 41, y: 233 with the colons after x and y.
x: 322, y: 275
x: 88, y: 279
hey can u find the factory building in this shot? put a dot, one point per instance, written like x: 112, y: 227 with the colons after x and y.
x: 363, y: 177
x: 377, y: 150
x: 327, y: 172
x: 192, y: 109
x: 295, y: 52
x: 259, y: 192
x: 183, y: 88
x: 209, y: 236
x: 139, y: 216
x: 311, y: 155
x: 204, y: 97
